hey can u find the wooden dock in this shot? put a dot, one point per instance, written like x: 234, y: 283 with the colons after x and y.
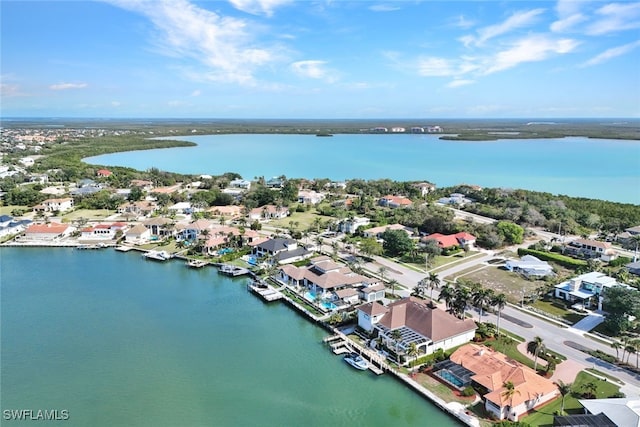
x: 233, y: 270
x: 265, y: 291
x: 123, y: 248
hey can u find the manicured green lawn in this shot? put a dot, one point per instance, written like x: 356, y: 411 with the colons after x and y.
x: 544, y: 415
x: 304, y: 220
x: 558, y: 310
x: 6, y: 210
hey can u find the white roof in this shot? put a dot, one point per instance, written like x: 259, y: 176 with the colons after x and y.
x: 623, y: 412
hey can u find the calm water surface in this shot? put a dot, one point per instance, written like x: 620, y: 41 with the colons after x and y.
x: 595, y: 168
x: 121, y: 341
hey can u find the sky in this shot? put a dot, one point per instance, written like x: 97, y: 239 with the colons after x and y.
x: 319, y: 59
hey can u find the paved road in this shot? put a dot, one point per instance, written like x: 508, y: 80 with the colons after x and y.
x: 556, y: 337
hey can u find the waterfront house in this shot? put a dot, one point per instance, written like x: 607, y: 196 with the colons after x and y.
x: 14, y: 227
x: 104, y: 173
x: 47, y: 232
x: 586, y: 290
x: 274, y: 182
x: 428, y: 328
x: 451, y: 241
x: 587, y: 248
x: 102, y: 231
x: 194, y: 230
x: 351, y: 225
x: 281, y: 250
x: 53, y: 205
x: 138, y: 234
x: 529, y: 266
x: 374, y: 292
x: 159, y: 227
x: 5, y: 220
x: 226, y: 237
x: 488, y: 372
x: 376, y: 232
x: 326, y: 280
x: 392, y: 201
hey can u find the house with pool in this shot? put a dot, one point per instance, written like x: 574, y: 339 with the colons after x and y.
x: 327, y: 283
x: 430, y: 329
x: 488, y: 372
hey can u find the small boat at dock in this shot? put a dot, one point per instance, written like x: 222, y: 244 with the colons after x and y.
x: 357, y: 361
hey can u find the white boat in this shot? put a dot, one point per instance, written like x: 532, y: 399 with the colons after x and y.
x: 196, y: 263
x: 357, y: 361
x: 157, y: 255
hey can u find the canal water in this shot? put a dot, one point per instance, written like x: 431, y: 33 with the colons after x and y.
x: 117, y: 340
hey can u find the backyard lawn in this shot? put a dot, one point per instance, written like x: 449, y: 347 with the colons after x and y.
x: 304, y: 220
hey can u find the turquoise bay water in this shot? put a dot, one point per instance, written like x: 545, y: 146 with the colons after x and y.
x: 602, y: 169
x: 120, y: 341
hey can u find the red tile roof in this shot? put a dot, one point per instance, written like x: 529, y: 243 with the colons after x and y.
x: 51, y: 228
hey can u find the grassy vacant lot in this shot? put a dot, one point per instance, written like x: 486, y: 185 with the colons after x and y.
x: 304, y: 220
x: 88, y: 214
x: 502, y: 281
x: 544, y: 416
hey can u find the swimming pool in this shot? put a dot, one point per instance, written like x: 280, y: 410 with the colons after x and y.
x: 450, y: 378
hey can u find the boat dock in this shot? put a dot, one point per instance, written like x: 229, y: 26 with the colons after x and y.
x: 196, y: 263
x: 340, y: 344
x: 233, y: 270
x: 94, y: 246
x: 123, y: 248
x: 265, y: 291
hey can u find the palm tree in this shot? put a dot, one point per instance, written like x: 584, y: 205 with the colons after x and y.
x: 393, y: 283
x: 413, y: 351
x: 564, y: 389
x: 633, y: 242
x: 447, y: 293
x: 499, y: 302
x: 535, y: 347
x: 508, y: 393
x: 590, y: 389
x: 382, y: 272
x: 616, y: 346
x: 396, y: 335
x: 433, y: 283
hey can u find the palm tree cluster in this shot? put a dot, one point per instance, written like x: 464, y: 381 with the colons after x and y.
x: 457, y: 296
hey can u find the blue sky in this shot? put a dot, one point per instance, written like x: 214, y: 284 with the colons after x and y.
x: 320, y: 59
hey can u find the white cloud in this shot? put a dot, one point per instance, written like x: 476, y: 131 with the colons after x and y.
x: 383, y: 8
x: 115, y: 103
x: 460, y: 82
x: 515, y: 21
x: 258, y: 7
x: 436, y: 67
x: 7, y: 90
x: 565, y: 24
x: 616, y: 17
x: 612, y: 53
x: 462, y: 22
x: 196, y: 92
x: 224, y: 45
x: 530, y: 49
x: 314, y: 69
x: 65, y: 86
